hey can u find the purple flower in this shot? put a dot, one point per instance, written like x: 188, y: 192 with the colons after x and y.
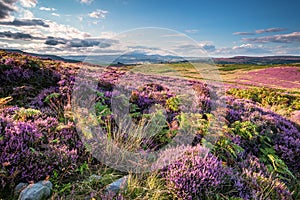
x: 195, y: 174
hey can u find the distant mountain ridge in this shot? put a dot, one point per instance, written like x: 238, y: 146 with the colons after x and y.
x: 138, y: 57
x: 130, y: 58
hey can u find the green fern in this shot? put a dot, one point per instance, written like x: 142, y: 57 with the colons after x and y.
x: 247, y: 130
x: 227, y: 150
x: 50, y: 97
x: 173, y: 104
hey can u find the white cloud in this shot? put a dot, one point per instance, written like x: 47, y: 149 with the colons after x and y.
x: 28, y: 3
x: 98, y: 14
x: 244, y: 49
x: 63, y: 46
x: 30, y: 34
x: 26, y: 14
x: 243, y: 33
x: 195, y: 48
x: 64, y: 31
x: 43, y: 28
x: 47, y: 9
x: 55, y: 14
x: 86, y: 1
x: 12, y: 45
x: 243, y: 46
x: 261, y: 31
x: 207, y: 46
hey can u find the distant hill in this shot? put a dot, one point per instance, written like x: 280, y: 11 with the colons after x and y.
x: 130, y: 58
x: 44, y: 56
x: 258, y: 60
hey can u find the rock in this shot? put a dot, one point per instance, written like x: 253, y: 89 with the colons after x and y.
x: 117, y: 185
x: 19, y: 188
x: 38, y: 191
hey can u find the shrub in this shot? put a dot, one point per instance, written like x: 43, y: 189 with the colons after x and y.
x: 265, y: 127
x: 24, y: 79
x: 32, y: 148
x: 256, y: 182
x: 195, y: 174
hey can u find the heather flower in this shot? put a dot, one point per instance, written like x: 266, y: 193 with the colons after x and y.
x: 195, y: 174
x: 257, y: 183
x: 38, y: 101
x: 31, y: 150
x: 283, y: 133
x: 17, y: 148
x: 9, y: 61
x: 47, y: 125
x: 281, y: 77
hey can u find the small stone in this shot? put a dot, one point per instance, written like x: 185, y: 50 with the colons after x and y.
x: 117, y: 185
x: 38, y: 191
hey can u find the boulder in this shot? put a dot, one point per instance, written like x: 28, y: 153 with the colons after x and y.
x: 38, y: 191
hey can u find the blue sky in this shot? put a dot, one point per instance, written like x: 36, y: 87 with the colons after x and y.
x: 222, y: 28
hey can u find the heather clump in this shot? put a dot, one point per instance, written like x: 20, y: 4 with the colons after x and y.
x: 32, y: 148
x: 195, y: 174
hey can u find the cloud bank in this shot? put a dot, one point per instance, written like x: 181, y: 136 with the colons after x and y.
x: 25, y: 22
x: 280, y: 38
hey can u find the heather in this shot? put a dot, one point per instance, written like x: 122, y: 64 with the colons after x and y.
x: 241, y: 146
x: 275, y: 77
x: 195, y: 174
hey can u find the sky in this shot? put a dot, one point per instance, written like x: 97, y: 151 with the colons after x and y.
x: 95, y: 27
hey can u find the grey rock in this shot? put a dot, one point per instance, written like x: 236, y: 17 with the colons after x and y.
x: 38, y: 191
x: 117, y: 185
